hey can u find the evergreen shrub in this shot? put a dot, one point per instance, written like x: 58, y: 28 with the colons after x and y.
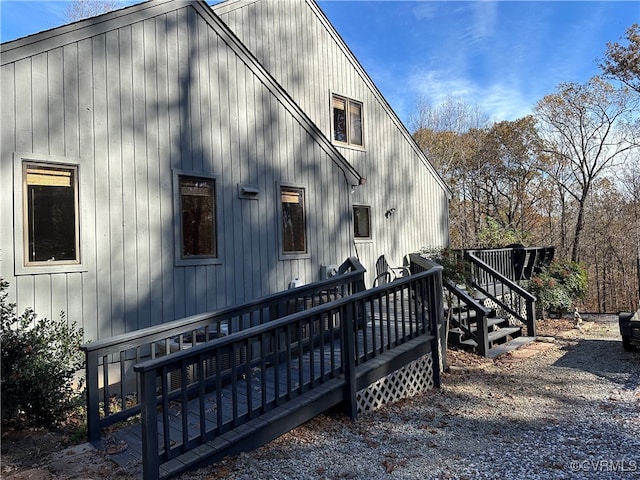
x: 39, y: 360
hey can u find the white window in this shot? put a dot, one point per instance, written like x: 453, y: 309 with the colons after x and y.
x: 347, y: 121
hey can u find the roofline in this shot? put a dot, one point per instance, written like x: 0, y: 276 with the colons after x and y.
x: 394, y: 117
x: 57, y: 37
x: 351, y: 174
x: 231, y: 5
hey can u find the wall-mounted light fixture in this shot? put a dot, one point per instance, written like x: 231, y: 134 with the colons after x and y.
x: 389, y: 212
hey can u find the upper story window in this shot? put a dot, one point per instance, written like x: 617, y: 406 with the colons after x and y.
x: 361, y: 222
x: 347, y: 121
x: 51, y: 224
x: 197, y: 217
x: 294, y: 238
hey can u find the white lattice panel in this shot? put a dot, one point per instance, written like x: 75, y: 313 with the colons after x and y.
x: 502, y: 313
x: 407, y: 381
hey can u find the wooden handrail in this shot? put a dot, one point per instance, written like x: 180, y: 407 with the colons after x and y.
x: 338, y: 320
x: 498, y: 281
x: 516, y: 263
x: 118, y: 354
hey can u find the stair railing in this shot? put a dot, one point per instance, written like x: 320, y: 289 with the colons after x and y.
x: 505, y: 293
x: 462, y: 310
x: 469, y: 312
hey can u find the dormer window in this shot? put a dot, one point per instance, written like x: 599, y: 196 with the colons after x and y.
x: 347, y: 121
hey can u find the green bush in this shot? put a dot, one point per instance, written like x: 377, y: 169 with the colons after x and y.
x: 39, y: 361
x: 559, y: 285
x: 494, y: 235
x: 454, y: 269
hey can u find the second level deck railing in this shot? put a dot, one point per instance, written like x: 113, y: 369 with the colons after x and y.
x: 515, y: 263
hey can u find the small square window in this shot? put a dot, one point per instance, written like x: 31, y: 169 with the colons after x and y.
x: 197, y: 217
x: 347, y: 121
x: 361, y: 222
x: 52, y: 234
x: 294, y: 239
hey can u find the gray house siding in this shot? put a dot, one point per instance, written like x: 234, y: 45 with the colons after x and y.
x: 131, y: 98
x: 297, y: 44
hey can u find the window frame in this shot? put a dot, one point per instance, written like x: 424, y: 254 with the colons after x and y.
x: 282, y: 255
x: 180, y: 260
x: 347, y: 101
x: 356, y: 238
x: 22, y: 264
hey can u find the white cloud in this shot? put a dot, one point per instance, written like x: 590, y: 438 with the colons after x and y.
x: 498, y: 100
x: 484, y: 16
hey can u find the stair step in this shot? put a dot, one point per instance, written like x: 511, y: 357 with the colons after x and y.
x: 503, y: 332
x: 493, y: 336
x: 494, y: 321
x: 509, y: 346
x: 490, y: 323
x: 461, y: 315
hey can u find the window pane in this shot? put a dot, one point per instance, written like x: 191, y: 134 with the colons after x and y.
x: 339, y: 120
x: 293, y: 221
x: 361, y: 222
x: 198, y: 217
x: 51, y: 214
x: 355, y: 123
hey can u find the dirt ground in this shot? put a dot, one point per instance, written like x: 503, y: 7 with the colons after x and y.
x: 59, y: 454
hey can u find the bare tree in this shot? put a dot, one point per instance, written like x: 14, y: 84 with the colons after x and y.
x: 585, y: 130
x: 450, y: 134
x: 81, y: 9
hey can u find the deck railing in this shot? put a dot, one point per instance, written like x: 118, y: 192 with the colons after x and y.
x: 515, y: 263
x: 112, y: 386
x: 279, y: 361
x: 508, y: 295
x: 462, y: 309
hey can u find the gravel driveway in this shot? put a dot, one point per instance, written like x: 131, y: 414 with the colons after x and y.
x: 567, y: 409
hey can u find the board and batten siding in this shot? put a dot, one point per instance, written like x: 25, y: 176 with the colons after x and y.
x: 132, y: 105
x: 297, y: 44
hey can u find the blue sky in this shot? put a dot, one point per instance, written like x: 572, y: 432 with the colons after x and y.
x: 502, y: 56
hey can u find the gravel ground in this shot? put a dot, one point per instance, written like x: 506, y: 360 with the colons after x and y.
x: 568, y: 408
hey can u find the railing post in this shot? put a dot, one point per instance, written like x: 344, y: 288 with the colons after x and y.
x: 482, y: 332
x: 531, y: 318
x: 349, y: 361
x: 150, y: 459
x: 436, y: 314
x: 93, y: 395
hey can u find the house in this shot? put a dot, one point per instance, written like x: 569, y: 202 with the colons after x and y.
x: 172, y: 158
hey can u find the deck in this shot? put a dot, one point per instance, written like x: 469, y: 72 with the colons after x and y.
x: 292, y: 413
x: 234, y: 393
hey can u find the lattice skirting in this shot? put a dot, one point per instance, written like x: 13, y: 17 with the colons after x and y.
x: 405, y: 382
x: 501, y: 312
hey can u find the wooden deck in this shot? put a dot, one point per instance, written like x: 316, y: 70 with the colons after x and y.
x: 376, y: 332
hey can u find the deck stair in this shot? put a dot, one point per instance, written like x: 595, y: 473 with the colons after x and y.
x: 493, y: 320
x: 467, y: 314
